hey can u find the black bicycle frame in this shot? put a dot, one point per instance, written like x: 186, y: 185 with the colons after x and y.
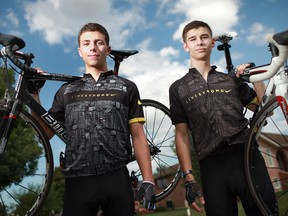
x: 21, y: 97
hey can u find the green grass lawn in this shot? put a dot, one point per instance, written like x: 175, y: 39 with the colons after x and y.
x: 183, y: 212
x: 282, y: 203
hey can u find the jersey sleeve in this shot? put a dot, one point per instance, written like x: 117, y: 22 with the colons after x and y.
x: 135, y: 106
x: 57, y: 110
x: 176, y: 109
x: 247, y: 94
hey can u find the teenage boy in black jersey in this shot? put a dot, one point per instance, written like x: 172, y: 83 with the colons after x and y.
x: 99, y: 112
x: 210, y: 104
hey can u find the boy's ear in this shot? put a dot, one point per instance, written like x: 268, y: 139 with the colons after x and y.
x: 185, y: 47
x: 213, y: 42
x: 79, y: 52
x: 108, y: 50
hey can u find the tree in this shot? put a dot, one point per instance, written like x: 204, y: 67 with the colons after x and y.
x: 55, y: 198
x: 17, y: 163
x: 21, y: 155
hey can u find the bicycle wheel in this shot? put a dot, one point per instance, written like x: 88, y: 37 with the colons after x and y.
x: 26, y: 168
x: 270, y: 130
x: 160, y: 135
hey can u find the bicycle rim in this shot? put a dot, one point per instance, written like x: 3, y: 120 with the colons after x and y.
x: 26, y: 168
x: 160, y: 135
x: 270, y: 130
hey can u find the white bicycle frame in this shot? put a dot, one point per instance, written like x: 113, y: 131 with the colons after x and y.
x: 277, y: 73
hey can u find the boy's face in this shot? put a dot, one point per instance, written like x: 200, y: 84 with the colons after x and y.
x: 199, y: 43
x: 93, y: 49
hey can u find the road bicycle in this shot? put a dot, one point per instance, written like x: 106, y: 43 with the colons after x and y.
x: 269, y: 123
x: 26, y: 157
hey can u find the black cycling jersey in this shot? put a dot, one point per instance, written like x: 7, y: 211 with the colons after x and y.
x: 96, y: 115
x: 213, y: 110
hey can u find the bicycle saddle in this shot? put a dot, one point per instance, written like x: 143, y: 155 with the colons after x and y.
x: 281, y: 38
x: 122, y: 54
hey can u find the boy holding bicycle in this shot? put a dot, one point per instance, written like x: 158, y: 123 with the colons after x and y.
x: 209, y: 105
x: 99, y: 112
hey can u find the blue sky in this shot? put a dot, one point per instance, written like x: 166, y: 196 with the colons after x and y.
x: 153, y: 27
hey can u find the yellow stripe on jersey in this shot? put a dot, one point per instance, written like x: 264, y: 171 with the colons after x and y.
x: 134, y: 120
x: 254, y: 101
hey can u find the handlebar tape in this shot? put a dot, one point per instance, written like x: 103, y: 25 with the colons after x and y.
x: 11, y: 40
x: 16, y: 61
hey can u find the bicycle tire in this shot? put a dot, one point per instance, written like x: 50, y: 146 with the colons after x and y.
x: 269, y: 129
x: 26, y: 187
x: 160, y: 135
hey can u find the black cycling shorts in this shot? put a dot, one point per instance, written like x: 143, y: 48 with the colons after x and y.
x: 112, y: 192
x: 224, y: 181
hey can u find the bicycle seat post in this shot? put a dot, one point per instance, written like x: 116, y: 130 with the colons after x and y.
x: 117, y: 65
x: 226, y: 48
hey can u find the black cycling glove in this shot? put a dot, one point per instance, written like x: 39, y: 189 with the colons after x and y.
x: 146, y: 192
x: 193, y: 190
x: 34, y: 86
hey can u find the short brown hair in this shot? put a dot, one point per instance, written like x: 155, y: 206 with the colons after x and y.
x: 194, y: 25
x: 94, y: 27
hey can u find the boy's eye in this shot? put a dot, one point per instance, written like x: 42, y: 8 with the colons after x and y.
x: 85, y: 43
x: 100, y: 42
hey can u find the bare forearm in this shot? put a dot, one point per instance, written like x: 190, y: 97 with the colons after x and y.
x: 142, y: 155
x: 259, y: 88
x: 141, y: 151
x: 183, y: 149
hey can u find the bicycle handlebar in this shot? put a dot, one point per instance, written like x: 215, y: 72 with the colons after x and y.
x: 11, y: 40
x: 11, y: 44
x: 17, y: 62
x: 280, y: 41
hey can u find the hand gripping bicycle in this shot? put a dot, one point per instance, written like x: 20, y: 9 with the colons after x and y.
x: 269, y: 124
x: 26, y: 158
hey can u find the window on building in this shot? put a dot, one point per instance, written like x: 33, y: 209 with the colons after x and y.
x: 282, y: 161
x: 161, y: 183
x: 270, y: 158
x: 277, y: 184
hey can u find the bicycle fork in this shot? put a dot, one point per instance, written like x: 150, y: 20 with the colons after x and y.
x: 7, y: 123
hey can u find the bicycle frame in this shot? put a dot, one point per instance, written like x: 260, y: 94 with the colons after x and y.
x: 21, y: 97
x: 276, y: 87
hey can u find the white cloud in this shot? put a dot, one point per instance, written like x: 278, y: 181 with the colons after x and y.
x: 221, y: 15
x: 169, y: 51
x: 60, y: 20
x: 12, y: 18
x: 10, y: 21
x: 257, y: 33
